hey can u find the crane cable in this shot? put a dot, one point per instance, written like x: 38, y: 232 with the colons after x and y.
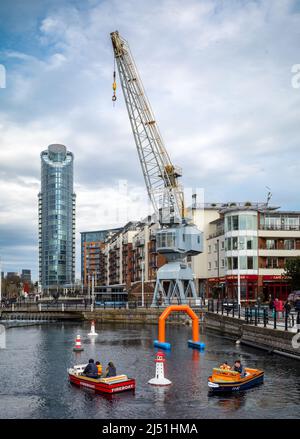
x: 114, y: 85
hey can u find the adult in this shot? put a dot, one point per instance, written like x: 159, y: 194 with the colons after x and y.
x: 238, y: 367
x: 110, y: 370
x: 91, y: 369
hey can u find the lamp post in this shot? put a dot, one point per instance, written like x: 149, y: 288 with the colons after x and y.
x: 93, y: 291
x: 240, y: 243
x: 239, y: 280
x: 88, y: 291
x: 143, y: 281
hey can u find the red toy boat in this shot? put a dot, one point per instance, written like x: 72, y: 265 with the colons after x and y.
x: 119, y: 383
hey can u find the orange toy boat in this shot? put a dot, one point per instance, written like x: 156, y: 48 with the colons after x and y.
x: 223, y: 380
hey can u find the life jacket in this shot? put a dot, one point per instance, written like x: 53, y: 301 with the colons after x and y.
x: 99, y: 367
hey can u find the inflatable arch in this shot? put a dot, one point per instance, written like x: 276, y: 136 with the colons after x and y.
x: 161, y: 342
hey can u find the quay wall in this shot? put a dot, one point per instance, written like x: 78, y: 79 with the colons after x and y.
x: 135, y: 316
x: 271, y: 340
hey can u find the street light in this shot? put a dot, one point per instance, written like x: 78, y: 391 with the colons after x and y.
x: 143, y: 266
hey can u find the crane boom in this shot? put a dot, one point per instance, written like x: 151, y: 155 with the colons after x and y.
x: 161, y: 176
x: 177, y: 238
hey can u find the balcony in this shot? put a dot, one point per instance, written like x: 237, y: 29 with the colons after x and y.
x: 140, y: 242
x: 279, y: 227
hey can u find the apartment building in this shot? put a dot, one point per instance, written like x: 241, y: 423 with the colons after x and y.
x: 92, y: 260
x: 251, y: 241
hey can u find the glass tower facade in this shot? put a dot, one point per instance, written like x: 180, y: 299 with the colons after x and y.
x: 56, y: 218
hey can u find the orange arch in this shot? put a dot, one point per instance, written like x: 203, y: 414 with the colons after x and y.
x: 167, y: 312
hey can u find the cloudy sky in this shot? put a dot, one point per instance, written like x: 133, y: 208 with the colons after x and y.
x: 219, y: 78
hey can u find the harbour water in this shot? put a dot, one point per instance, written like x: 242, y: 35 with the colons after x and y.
x: 34, y: 382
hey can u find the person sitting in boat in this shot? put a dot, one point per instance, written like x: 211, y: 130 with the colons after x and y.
x: 238, y: 367
x: 110, y: 370
x: 91, y: 369
x: 99, y: 367
x: 225, y: 366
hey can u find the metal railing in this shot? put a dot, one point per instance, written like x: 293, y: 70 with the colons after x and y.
x: 257, y: 315
x: 89, y: 305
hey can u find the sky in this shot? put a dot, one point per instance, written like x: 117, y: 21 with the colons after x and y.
x: 219, y: 78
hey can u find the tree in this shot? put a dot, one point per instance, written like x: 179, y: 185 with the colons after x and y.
x: 292, y: 272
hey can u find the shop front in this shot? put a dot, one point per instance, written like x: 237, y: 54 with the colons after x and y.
x: 252, y: 287
x: 275, y: 287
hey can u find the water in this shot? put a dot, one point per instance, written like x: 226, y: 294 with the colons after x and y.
x: 34, y: 384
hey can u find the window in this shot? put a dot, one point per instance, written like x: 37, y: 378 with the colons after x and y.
x: 222, y: 263
x: 209, y: 249
x: 228, y: 243
x: 229, y: 263
x: 250, y: 263
x: 222, y: 245
x: 243, y: 262
x: 216, y: 264
x: 227, y: 224
x: 234, y: 243
x: 272, y: 263
x: 270, y: 244
x: 289, y: 244
x: 216, y: 247
x: 209, y: 265
x: 234, y: 263
x: 251, y: 243
x: 235, y: 222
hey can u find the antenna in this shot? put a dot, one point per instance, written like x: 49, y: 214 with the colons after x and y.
x: 269, y: 195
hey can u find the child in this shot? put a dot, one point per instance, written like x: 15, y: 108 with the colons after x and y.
x: 99, y: 367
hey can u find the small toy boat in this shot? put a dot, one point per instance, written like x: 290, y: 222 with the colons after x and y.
x: 223, y: 380
x: 119, y: 383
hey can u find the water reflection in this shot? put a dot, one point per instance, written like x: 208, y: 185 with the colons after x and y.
x: 230, y: 402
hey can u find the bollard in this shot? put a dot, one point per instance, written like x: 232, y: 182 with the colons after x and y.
x: 255, y: 317
x: 286, y: 321
x: 298, y: 321
x: 233, y: 310
x: 275, y: 319
x: 222, y: 307
x: 239, y: 311
x: 62, y: 307
x: 218, y: 307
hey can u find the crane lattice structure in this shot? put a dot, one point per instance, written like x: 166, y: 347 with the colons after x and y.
x: 176, y: 239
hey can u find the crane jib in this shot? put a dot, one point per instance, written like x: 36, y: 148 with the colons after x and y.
x: 160, y: 175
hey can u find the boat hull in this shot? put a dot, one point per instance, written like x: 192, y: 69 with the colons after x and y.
x: 236, y: 386
x: 101, y: 387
